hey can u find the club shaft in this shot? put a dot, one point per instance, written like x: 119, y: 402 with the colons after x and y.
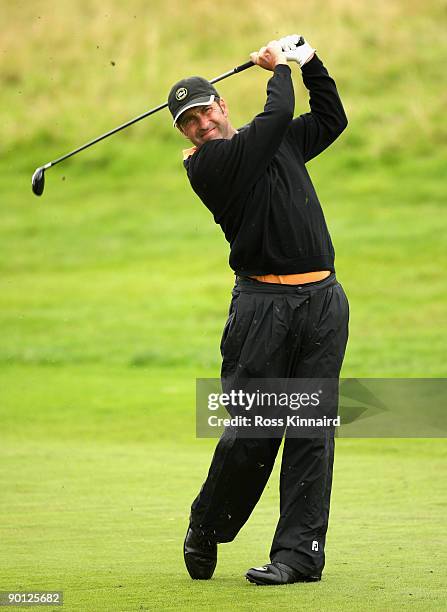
x: 233, y: 71
x: 146, y: 114
x: 117, y: 129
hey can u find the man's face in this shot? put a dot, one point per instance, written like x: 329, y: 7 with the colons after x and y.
x: 202, y: 123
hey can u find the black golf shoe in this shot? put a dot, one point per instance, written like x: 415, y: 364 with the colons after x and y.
x: 200, y: 555
x: 278, y: 573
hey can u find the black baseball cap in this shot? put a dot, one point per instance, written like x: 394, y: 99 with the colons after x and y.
x: 193, y: 91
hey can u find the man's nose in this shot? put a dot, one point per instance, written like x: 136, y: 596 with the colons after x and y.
x: 203, y: 121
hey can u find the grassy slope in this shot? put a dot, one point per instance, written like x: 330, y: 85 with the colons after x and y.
x: 109, y: 309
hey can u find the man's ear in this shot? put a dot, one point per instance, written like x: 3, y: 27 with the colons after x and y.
x: 224, y: 107
x: 182, y: 132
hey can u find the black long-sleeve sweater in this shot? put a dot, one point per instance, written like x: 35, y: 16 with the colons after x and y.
x: 256, y: 183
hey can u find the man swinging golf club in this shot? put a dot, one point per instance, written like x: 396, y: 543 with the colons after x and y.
x: 288, y: 316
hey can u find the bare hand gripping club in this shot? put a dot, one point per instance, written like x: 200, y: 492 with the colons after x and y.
x: 38, y: 178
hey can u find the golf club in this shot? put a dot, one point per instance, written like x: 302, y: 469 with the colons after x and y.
x: 38, y: 178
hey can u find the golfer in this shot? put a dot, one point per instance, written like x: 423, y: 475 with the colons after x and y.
x: 288, y: 315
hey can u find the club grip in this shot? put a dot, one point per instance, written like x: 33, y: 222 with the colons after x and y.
x: 243, y: 66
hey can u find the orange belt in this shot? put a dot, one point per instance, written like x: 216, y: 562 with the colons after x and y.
x: 293, y: 279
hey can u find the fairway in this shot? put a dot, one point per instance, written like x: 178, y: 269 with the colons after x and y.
x: 95, y: 503
x: 114, y: 289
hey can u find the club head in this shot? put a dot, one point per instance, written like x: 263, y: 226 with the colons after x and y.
x: 38, y: 181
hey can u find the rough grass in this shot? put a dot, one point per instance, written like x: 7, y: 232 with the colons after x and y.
x: 67, y: 69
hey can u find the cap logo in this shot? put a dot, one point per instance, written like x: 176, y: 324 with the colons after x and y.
x: 181, y: 93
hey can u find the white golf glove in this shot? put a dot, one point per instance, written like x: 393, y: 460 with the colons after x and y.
x: 296, y: 49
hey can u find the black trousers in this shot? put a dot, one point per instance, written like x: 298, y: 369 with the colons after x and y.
x: 277, y: 331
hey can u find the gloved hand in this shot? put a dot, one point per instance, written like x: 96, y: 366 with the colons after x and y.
x: 296, y: 48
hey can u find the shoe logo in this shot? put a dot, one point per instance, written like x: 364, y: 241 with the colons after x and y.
x: 264, y: 568
x: 315, y: 545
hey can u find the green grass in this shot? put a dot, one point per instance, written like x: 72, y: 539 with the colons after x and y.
x: 114, y: 289
x: 104, y: 522
x: 101, y: 268
x: 96, y: 485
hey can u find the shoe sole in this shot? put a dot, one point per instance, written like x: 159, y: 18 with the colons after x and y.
x: 259, y: 582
